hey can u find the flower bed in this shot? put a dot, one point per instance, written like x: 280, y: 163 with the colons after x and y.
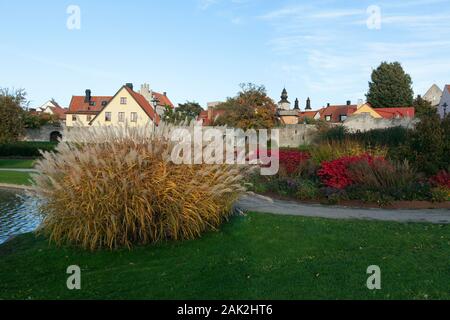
x: 367, y: 178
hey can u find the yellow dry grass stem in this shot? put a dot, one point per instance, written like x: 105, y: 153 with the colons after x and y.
x: 329, y: 151
x: 111, y: 188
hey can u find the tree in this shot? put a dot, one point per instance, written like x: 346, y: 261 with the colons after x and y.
x: 36, y: 121
x: 423, y: 108
x: 428, y: 145
x: 390, y: 87
x: 190, y: 109
x: 251, y: 108
x: 184, y: 112
x: 12, y: 115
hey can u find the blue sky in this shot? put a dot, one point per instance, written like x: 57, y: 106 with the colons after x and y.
x: 202, y: 49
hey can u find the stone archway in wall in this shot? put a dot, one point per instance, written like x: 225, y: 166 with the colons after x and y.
x: 55, y: 136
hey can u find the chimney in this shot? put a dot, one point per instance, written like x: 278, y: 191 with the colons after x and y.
x: 328, y: 105
x: 87, y: 98
x: 165, y: 94
x: 129, y: 85
x: 308, y: 104
x: 349, y: 102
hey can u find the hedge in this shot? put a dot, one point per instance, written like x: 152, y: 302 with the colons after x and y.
x: 390, y: 137
x: 25, y: 149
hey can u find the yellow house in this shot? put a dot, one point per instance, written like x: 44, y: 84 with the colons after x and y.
x: 126, y: 107
x: 366, y: 108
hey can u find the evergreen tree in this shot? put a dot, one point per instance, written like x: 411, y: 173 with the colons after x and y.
x: 390, y: 87
x: 423, y: 108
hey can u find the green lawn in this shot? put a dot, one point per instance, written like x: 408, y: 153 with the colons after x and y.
x: 16, y: 163
x: 13, y: 177
x: 254, y: 257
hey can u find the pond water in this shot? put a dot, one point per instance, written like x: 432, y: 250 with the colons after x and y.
x: 18, y: 213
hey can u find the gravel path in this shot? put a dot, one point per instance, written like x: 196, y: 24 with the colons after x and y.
x: 258, y: 203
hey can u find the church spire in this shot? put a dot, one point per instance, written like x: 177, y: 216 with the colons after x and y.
x: 308, y: 104
x: 284, y: 96
x: 297, y: 104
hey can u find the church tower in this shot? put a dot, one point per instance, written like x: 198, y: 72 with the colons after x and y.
x: 284, y: 103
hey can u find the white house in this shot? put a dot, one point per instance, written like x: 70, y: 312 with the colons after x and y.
x: 444, y: 104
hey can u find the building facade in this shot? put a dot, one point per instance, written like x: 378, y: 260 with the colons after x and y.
x: 444, y: 104
x: 125, y: 107
x: 433, y: 95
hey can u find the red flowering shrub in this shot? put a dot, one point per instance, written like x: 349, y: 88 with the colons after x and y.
x: 442, y: 179
x: 335, y: 174
x: 290, y: 160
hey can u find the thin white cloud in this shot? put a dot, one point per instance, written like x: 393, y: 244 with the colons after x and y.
x: 283, y: 12
x: 205, y: 4
x: 411, y: 3
x: 337, y: 14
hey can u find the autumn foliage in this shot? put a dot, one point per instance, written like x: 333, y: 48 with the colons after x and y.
x: 335, y: 174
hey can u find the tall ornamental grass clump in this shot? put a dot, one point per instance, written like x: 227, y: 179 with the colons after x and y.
x: 116, y: 187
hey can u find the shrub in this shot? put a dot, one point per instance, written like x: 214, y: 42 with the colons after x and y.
x: 395, y: 180
x: 291, y: 160
x: 307, y: 190
x: 330, y: 151
x: 427, y: 146
x: 335, y: 174
x: 334, y: 195
x: 335, y: 133
x: 381, y: 174
x: 378, y: 197
x: 125, y: 190
x: 26, y: 149
x: 440, y: 194
x: 442, y: 179
x: 389, y: 137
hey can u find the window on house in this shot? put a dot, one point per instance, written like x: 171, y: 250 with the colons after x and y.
x: 74, y: 117
x: 108, y: 116
x: 123, y: 100
x: 328, y: 118
x: 343, y: 117
x: 121, y: 116
x: 88, y: 118
x: 134, y: 117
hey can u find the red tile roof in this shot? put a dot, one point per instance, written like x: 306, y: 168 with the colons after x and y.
x: 307, y: 114
x: 163, y: 100
x: 390, y: 113
x: 337, y: 111
x: 60, y: 112
x: 145, y: 105
x: 78, y: 106
x: 448, y: 87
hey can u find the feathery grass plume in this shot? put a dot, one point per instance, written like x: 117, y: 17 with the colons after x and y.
x: 112, y: 187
